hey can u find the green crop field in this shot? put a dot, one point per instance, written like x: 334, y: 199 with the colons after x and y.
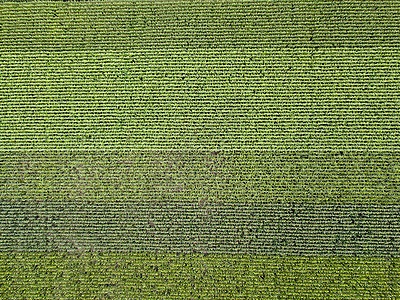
x: 209, y: 149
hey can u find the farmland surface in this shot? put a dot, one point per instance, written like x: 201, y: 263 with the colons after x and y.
x: 199, y: 149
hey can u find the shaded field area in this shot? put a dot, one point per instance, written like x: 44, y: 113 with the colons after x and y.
x: 53, y: 25
x: 340, y: 177
x: 201, y: 227
x: 170, y: 276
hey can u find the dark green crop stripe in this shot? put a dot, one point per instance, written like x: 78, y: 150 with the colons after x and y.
x: 87, y: 275
x: 230, y: 176
x: 53, y: 25
x: 201, y: 227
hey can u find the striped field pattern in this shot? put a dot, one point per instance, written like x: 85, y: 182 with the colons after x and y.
x: 209, y: 149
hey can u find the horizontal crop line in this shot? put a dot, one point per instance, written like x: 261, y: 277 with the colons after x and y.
x: 226, y: 50
x: 202, y: 149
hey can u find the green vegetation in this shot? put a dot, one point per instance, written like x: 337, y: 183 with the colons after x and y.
x: 201, y: 99
x: 192, y: 76
x: 170, y: 276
